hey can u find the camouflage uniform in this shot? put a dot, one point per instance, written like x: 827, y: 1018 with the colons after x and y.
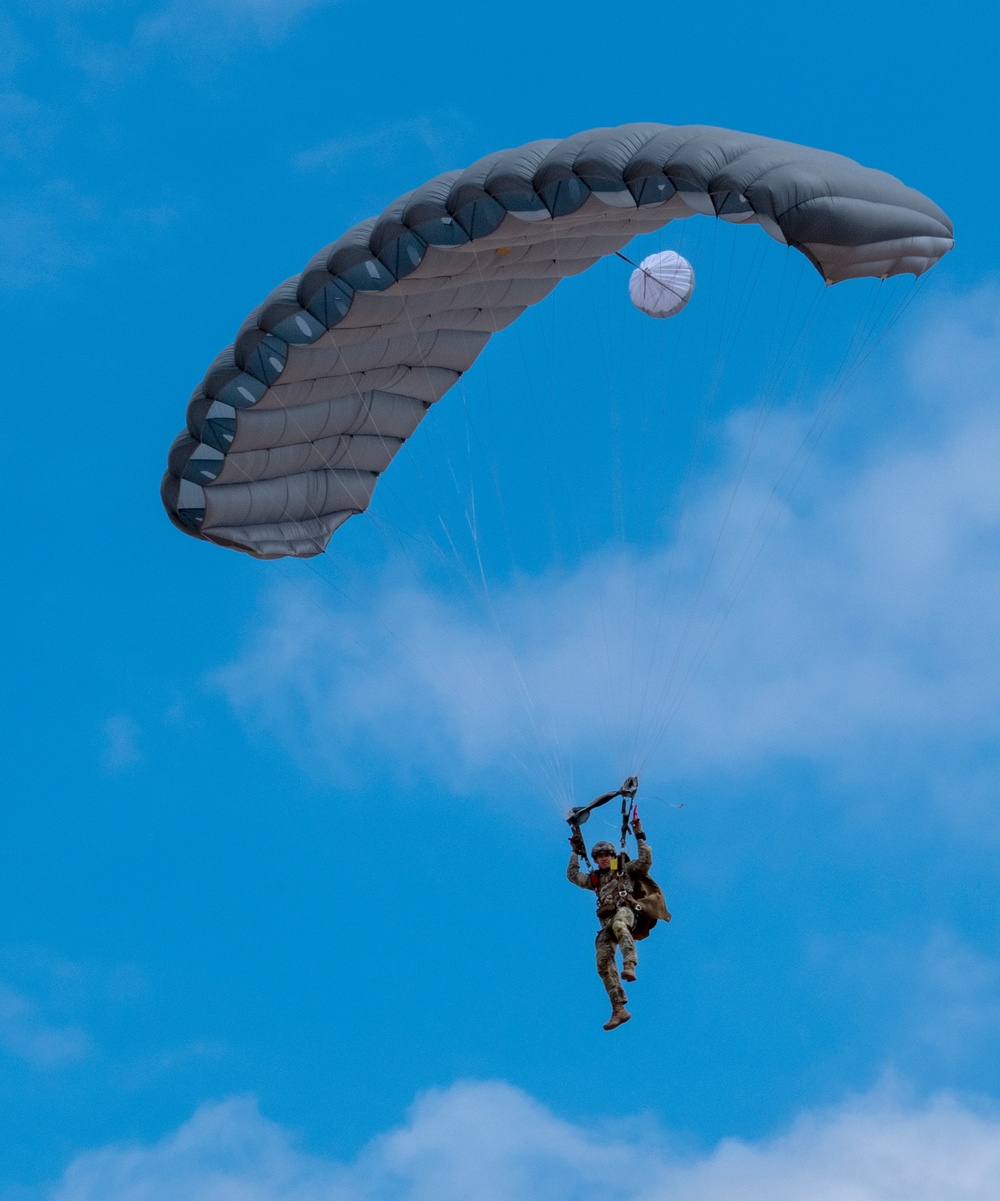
x: 615, y: 913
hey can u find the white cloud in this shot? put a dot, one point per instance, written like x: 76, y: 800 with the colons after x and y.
x: 226, y: 1150
x: 869, y: 629
x: 24, y: 1034
x: 492, y: 1142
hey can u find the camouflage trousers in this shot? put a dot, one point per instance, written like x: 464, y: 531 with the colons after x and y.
x: 615, y: 932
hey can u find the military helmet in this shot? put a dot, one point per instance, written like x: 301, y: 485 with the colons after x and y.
x: 602, y: 848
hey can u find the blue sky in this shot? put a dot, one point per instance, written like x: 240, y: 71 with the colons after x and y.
x: 281, y: 868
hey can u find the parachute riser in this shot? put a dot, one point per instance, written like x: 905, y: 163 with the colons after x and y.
x: 581, y: 813
x: 583, y: 853
x: 628, y: 791
x: 624, y: 825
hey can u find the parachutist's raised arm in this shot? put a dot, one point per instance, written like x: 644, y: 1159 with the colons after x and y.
x: 575, y: 876
x: 643, y: 861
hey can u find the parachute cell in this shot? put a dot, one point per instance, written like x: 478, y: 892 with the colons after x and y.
x: 662, y: 284
x: 292, y: 424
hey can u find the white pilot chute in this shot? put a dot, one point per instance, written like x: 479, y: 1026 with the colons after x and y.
x: 662, y: 284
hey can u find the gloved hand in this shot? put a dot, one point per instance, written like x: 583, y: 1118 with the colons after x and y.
x: 577, y: 844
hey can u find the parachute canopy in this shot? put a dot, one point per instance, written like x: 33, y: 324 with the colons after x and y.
x: 292, y: 424
x: 662, y: 284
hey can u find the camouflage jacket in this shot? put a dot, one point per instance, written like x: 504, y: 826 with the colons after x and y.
x: 608, y: 884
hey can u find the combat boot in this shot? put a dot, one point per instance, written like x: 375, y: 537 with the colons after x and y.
x: 619, y: 1016
x: 628, y: 972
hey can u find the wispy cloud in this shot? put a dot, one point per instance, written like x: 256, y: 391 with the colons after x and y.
x: 929, y: 997
x: 139, y: 1073
x: 13, y: 46
x: 40, y: 987
x: 955, y: 1005
x: 441, y: 134
x: 119, y: 41
x: 121, y: 744
x: 183, y: 18
x: 870, y: 627
x: 40, y: 234
x: 492, y: 1142
x: 24, y: 1033
x: 23, y: 124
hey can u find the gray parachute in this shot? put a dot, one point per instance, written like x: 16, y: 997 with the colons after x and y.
x: 292, y: 424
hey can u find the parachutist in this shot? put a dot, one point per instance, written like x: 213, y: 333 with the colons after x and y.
x: 629, y: 902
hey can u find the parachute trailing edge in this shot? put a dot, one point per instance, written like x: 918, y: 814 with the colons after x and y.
x: 292, y: 425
